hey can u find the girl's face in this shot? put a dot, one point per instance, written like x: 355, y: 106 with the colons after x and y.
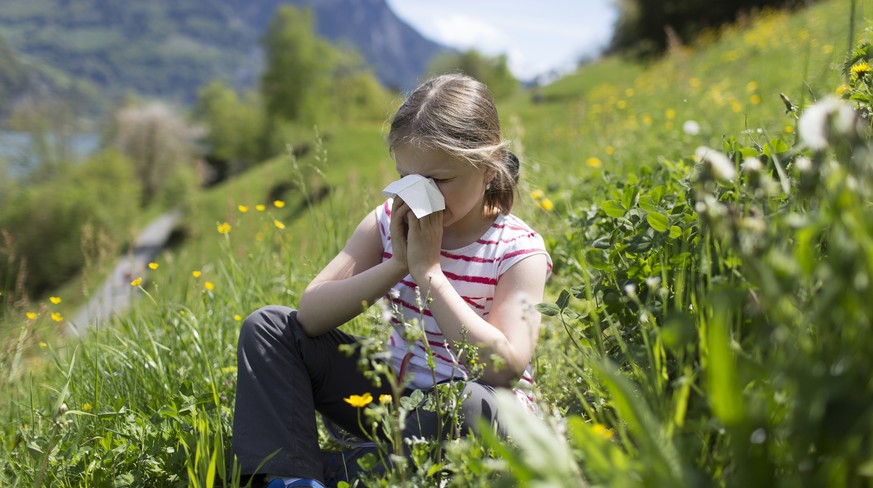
x: 462, y: 184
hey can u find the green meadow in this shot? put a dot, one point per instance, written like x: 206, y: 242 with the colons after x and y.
x: 700, y: 328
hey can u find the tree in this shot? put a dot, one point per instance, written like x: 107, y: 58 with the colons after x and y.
x: 296, y: 78
x: 494, y: 72
x: 158, y: 141
x: 233, y: 125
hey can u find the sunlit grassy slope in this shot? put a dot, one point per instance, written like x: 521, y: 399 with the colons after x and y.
x: 148, y: 375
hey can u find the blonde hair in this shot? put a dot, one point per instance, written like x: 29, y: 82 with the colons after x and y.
x: 456, y: 114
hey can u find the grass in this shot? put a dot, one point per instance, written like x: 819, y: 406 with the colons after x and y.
x: 744, y: 370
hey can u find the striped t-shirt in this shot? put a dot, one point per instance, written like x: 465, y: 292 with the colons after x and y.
x: 474, y: 271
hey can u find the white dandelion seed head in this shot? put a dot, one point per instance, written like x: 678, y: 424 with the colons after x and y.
x: 803, y: 164
x: 752, y: 165
x: 631, y: 290
x: 825, y: 119
x: 722, y: 167
x: 691, y: 127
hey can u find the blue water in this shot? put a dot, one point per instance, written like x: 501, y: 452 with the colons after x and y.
x: 18, y: 154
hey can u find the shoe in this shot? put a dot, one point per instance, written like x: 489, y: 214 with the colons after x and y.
x: 301, y: 483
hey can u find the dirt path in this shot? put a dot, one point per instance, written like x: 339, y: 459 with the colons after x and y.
x: 115, y: 295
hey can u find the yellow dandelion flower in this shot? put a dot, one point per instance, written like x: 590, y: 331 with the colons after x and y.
x: 136, y: 281
x: 223, y: 228
x: 43, y: 345
x: 629, y: 92
x: 228, y: 369
x: 57, y: 317
x: 86, y: 407
x: 670, y: 114
x: 843, y: 89
x: 359, y: 401
x: 694, y: 82
x: 196, y: 274
x: 610, y: 150
x: 237, y: 317
x: 621, y: 105
x: 756, y: 99
x: 602, y: 431
x: 647, y: 120
x: 279, y: 225
x: 789, y: 129
x: 242, y: 208
x: 278, y: 203
x: 594, y: 162
x: 386, y: 398
x: 260, y: 208
x: 31, y: 315
x: 55, y: 300
x: 736, y: 106
x: 537, y: 194
x: 547, y: 204
x: 860, y: 69
x: 209, y: 286
x: 751, y: 86
x: 153, y: 265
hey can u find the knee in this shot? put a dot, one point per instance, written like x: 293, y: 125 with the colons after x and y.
x: 478, y: 405
x: 267, y: 323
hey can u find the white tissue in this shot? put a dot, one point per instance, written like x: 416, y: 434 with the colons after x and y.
x: 420, y: 193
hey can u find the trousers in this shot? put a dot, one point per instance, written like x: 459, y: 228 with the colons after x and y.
x: 284, y: 377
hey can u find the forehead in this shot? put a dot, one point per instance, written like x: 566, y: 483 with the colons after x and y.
x: 427, y: 161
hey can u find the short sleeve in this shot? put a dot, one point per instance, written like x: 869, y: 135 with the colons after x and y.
x: 521, y: 247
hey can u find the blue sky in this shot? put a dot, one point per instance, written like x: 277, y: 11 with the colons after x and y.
x: 536, y: 36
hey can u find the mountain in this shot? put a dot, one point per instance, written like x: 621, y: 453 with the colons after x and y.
x: 170, y: 48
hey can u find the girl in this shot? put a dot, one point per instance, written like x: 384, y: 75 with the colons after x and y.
x: 481, y: 269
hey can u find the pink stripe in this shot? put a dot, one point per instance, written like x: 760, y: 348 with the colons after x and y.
x: 470, y: 301
x: 527, y: 377
x: 505, y: 241
x: 387, y: 255
x: 438, y: 334
x: 470, y: 279
x: 382, y: 229
x: 511, y: 227
x: 521, y: 252
x: 408, y: 284
x: 472, y: 259
x: 441, y: 345
x: 387, y: 209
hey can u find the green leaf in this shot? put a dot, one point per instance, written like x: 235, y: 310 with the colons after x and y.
x: 647, y: 203
x: 675, y: 232
x: 548, y: 309
x: 563, y: 299
x: 658, y: 221
x: 613, y: 209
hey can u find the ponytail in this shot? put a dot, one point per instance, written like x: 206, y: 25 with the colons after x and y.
x: 500, y: 192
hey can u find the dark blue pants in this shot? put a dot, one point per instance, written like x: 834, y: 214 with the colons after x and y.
x: 285, y: 376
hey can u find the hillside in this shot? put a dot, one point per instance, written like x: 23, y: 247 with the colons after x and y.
x: 168, y: 49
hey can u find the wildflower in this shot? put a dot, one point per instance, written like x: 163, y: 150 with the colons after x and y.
x: 195, y: 274
x: 359, y: 401
x: 55, y: 300
x: 722, y: 167
x: 31, y: 315
x: 385, y: 398
x: 860, y: 70
x: 610, y: 150
x: 223, y: 228
x: 86, y: 407
x: 756, y: 99
x: 670, y: 114
x: 547, y: 204
x: 136, y: 281
x: 602, y: 431
x: 843, y: 89
x: 629, y: 92
x: 594, y: 162
x: 209, y: 286
x: 279, y: 225
x: 691, y: 127
x: 237, y: 317
x: 260, y: 208
x: 694, y: 82
x: 153, y: 265
x: 752, y: 165
x: 803, y: 164
x: 621, y: 105
x: 818, y: 122
x: 42, y: 345
x: 789, y: 129
x: 242, y: 208
x: 57, y: 317
x: 537, y: 194
x: 278, y: 203
x: 228, y: 369
x: 647, y: 120
x: 751, y: 86
x: 631, y: 290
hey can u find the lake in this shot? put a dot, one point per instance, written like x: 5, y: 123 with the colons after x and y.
x: 16, y: 149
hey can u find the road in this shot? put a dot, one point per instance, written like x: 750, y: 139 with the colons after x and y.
x: 115, y: 295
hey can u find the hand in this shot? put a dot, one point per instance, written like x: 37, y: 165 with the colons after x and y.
x: 399, y: 229
x: 424, y: 242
